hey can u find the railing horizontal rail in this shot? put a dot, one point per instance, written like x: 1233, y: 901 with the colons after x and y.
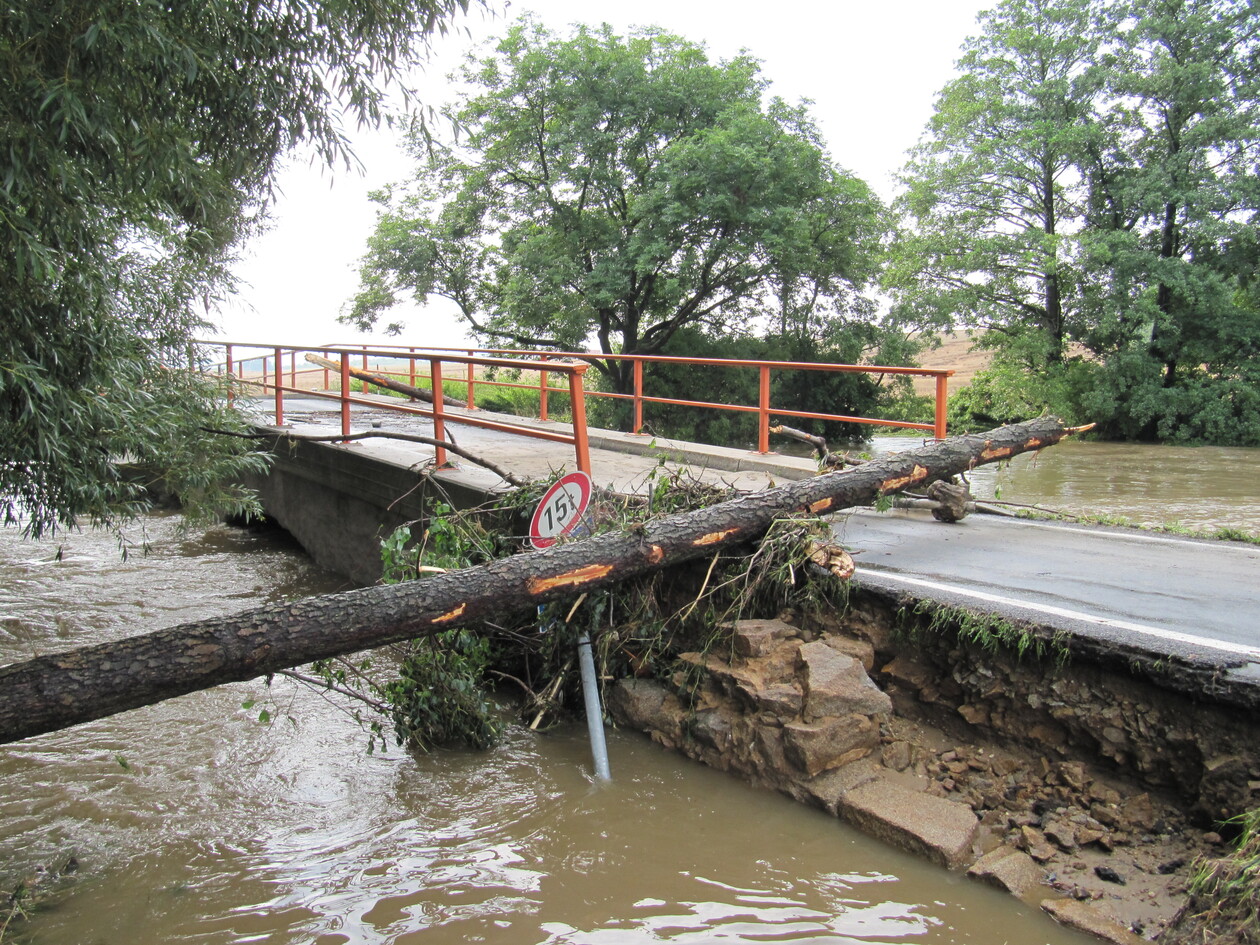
x: 273, y: 381
x: 941, y: 377
x: 568, y: 365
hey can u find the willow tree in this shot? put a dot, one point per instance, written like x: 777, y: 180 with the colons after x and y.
x: 142, y: 139
x: 618, y: 189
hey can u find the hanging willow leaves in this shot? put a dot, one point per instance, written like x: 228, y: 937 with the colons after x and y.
x: 141, y: 142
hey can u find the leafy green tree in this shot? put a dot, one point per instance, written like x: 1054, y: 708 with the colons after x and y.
x: 141, y: 142
x: 621, y: 188
x: 992, y: 192
x: 1091, y: 178
x: 1171, y: 232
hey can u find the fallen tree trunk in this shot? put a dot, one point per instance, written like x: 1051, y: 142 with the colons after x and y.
x: 381, y: 380
x: 63, y: 689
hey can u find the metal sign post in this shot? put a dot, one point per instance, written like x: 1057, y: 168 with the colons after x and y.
x: 558, y: 513
x: 594, y: 713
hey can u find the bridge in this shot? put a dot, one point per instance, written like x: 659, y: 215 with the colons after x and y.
x: 1149, y: 599
x: 365, y: 480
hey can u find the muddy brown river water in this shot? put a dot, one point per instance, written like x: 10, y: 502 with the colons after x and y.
x: 194, y: 821
x: 1199, y: 487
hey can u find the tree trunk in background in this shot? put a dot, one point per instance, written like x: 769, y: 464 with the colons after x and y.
x: 59, y: 690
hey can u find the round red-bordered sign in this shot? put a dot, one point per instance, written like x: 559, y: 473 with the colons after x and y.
x: 560, y: 509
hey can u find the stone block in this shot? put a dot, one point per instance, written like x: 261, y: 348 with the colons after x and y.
x: 939, y: 830
x: 836, y: 684
x: 646, y: 705
x: 910, y: 673
x: 1011, y: 870
x: 1087, y: 918
x: 783, y: 700
x: 898, y: 755
x: 637, y: 700
x: 815, y: 747
x: 755, y: 638
x: 860, y: 650
x: 713, y: 728
x: 768, y: 742
x: 828, y: 788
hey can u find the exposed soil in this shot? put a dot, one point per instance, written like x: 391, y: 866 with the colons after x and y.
x: 1074, y: 786
x: 1095, y: 837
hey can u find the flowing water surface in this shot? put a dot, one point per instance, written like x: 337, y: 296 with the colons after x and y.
x: 194, y: 821
x: 1199, y: 487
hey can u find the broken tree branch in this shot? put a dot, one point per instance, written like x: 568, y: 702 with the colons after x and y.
x: 822, y: 452
x: 449, y: 445
x: 389, y: 383
x: 62, y: 689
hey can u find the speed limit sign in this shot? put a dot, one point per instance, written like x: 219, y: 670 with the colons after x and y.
x: 560, y: 509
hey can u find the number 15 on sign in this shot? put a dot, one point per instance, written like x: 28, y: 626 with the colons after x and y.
x: 560, y: 509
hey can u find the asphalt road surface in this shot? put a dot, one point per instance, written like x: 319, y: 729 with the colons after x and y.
x: 1160, y: 593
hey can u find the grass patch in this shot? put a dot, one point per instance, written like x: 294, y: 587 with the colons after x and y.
x: 988, y: 631
x: 1224, y: 904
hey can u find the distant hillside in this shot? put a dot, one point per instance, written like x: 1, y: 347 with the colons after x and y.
x: 956, y: 354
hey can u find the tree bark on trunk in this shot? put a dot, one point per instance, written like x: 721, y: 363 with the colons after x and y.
x: 380, y: 380
x: 59, y: 690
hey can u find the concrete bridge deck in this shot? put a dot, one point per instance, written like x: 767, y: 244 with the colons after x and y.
x: 619, y: 461
x: 1154, y: 596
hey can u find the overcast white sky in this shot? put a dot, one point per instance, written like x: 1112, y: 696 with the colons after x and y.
x: 871, y: 67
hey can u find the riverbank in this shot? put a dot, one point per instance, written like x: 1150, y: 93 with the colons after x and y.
x: 971, y: 756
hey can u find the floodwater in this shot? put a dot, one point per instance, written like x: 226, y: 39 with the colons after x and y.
x: 1199, y: 487
x: 193, y: 821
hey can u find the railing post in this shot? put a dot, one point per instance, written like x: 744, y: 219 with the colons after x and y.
x: 279, y: 388
x: 231, y: 380
x: 542, y: 392
x: 365, y: 367
x: 472, y: 376
x: 345, y: 393
x: 265, y: 376
x: 412, y: 370
x: 763, y: 410
x: 326, y: 377
x: 439, y: 424
x: 293, y: 368
x: 637, y: 425
x: 942, y: 404
x: 577, y: 402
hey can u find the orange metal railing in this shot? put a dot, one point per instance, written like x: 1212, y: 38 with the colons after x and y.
x: 764, y: 409
x: 270, y: 376
x: 568, y: 365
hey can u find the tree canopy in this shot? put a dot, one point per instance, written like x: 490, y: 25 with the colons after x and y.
x: 142, y: 139
x: 992, y: 189
x: 621, y: 188
x: 1088, y: 190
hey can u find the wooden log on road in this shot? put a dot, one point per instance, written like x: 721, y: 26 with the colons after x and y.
x: 59, y: 690
x: 389, y: 383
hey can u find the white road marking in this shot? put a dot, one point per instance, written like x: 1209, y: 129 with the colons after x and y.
x: 1102, y: 532
x: 1248, y: 652
x: 999, y: 521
